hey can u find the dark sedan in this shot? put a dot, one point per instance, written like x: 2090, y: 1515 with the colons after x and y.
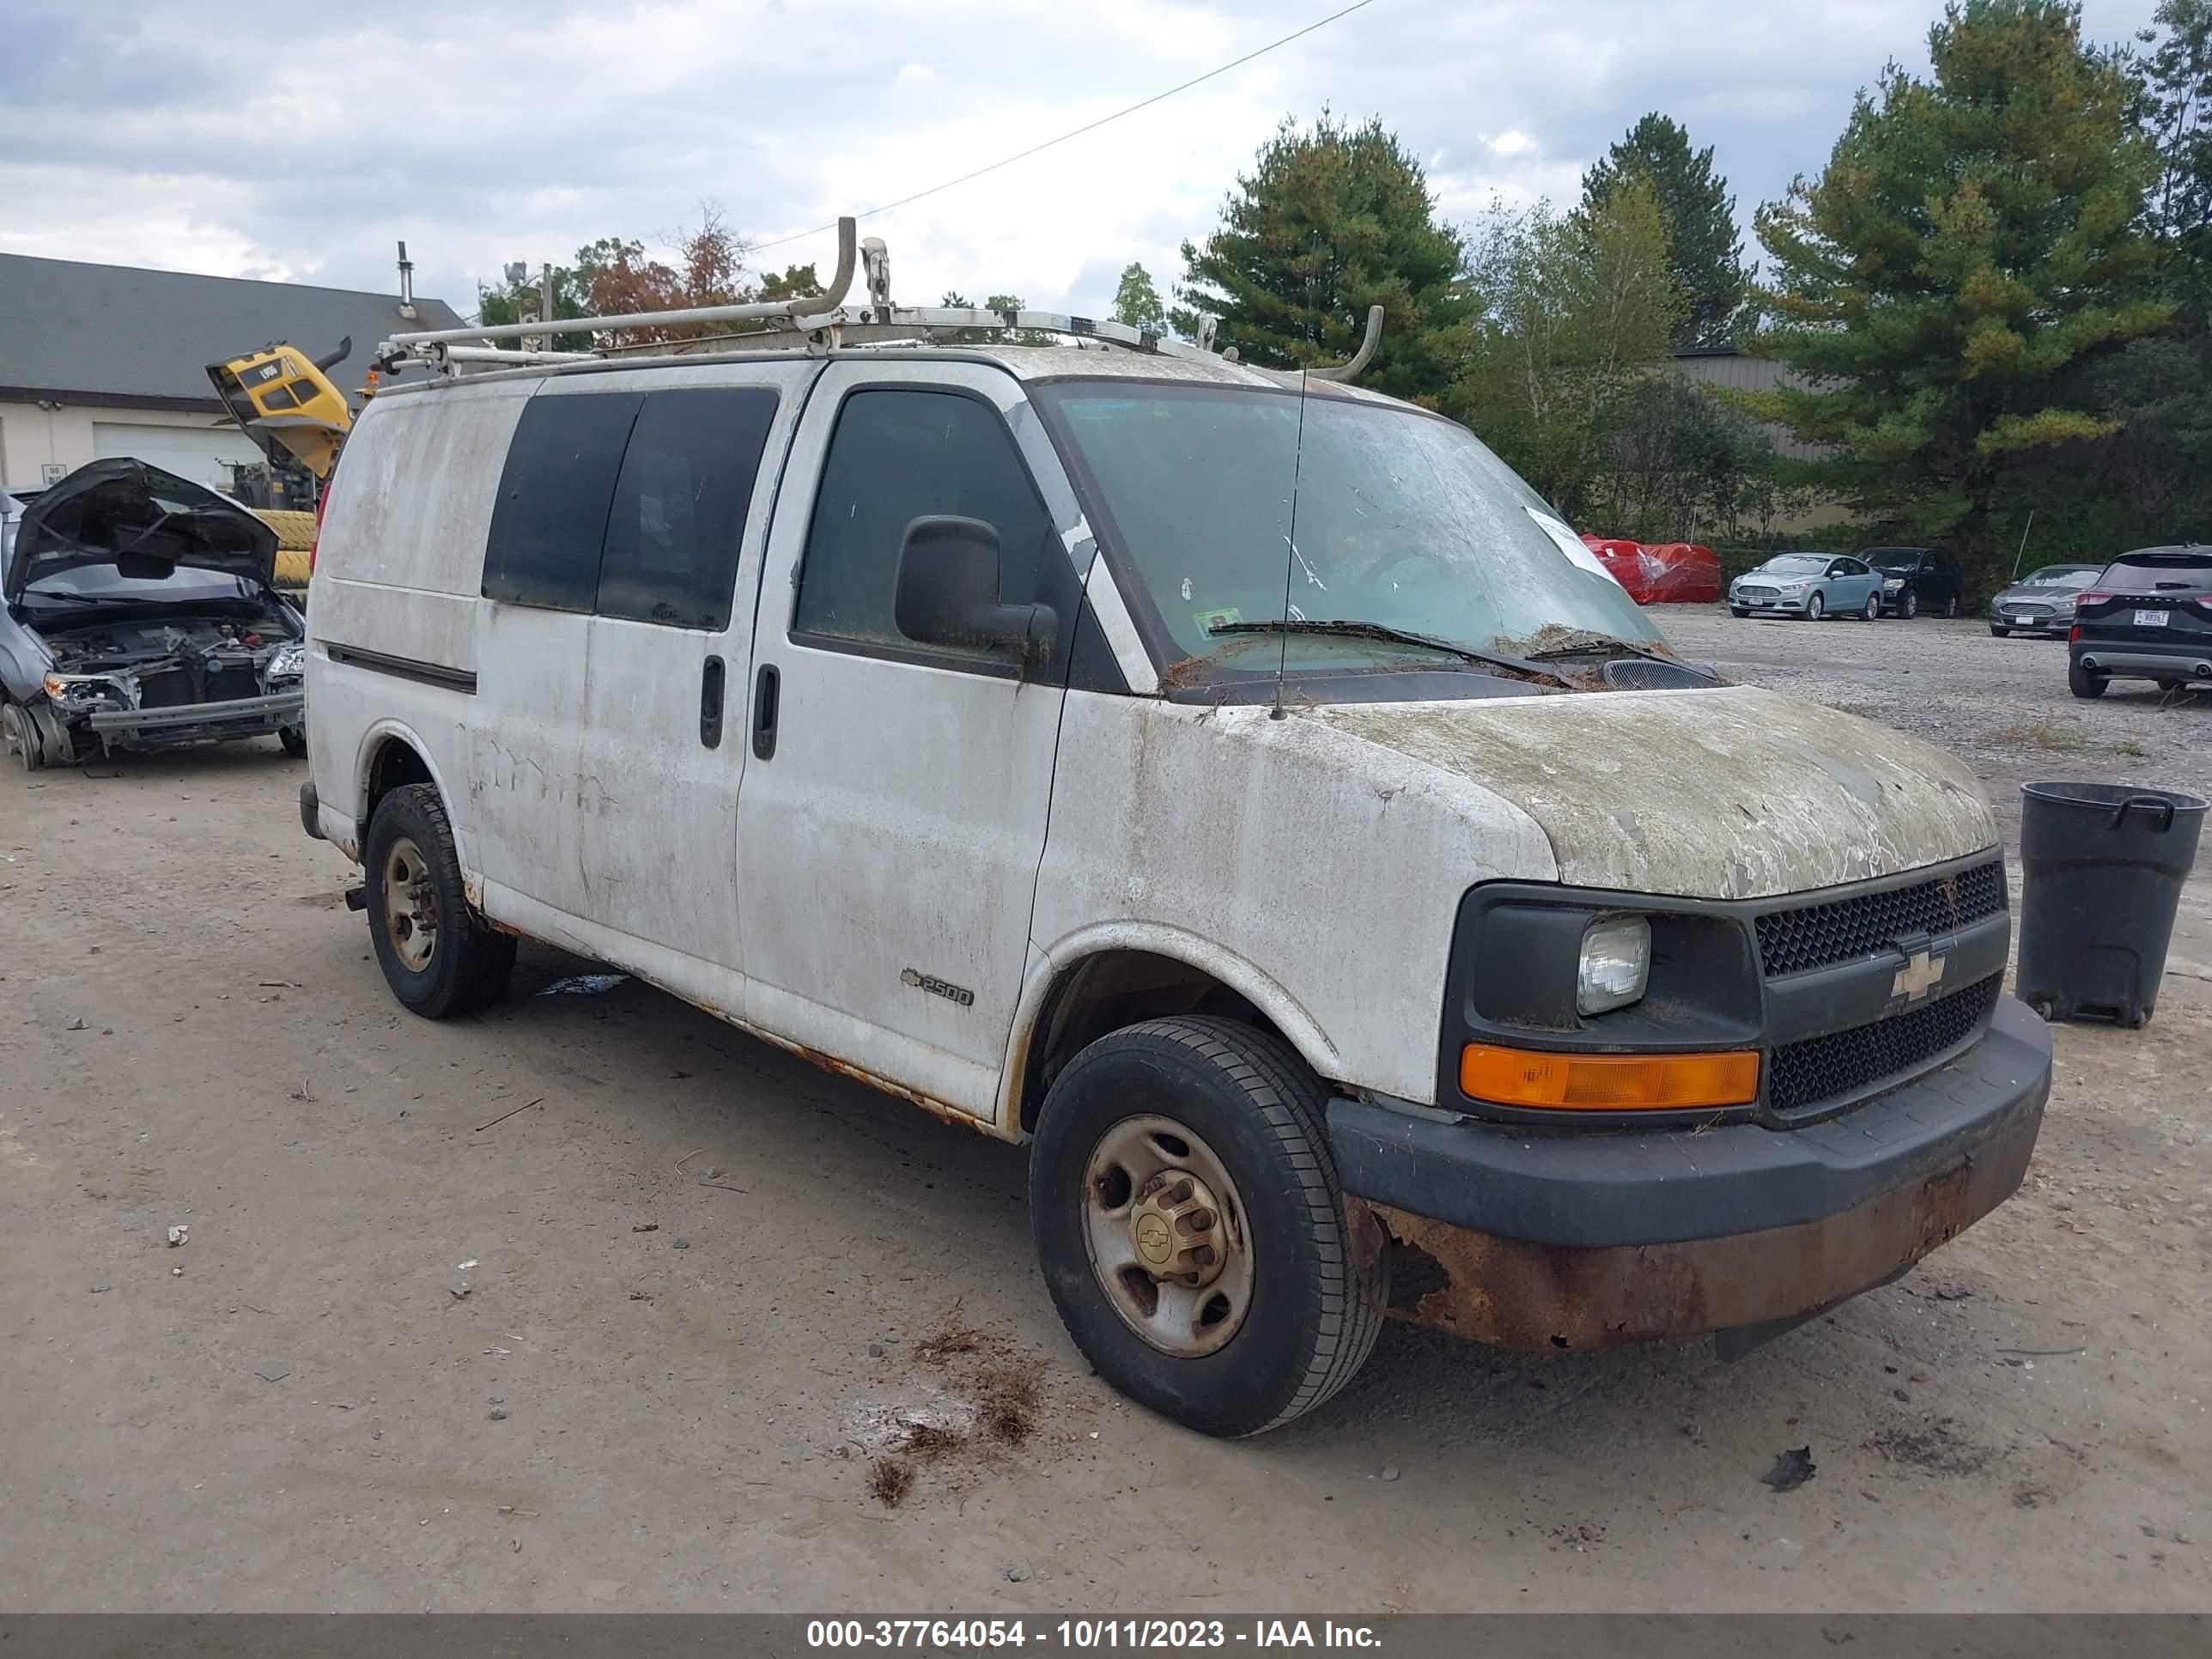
x: 2044, y: 603
x: 2147, y: 617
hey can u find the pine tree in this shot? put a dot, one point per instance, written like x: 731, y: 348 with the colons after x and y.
x: 1330, y: 221
x: 1973, y: 239
x: 1704, y: 248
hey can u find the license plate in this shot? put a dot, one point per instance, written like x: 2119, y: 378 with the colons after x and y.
x: 2150, y: 618
x: 2021, y: 618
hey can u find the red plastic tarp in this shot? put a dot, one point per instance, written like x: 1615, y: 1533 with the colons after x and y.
x: 1661, y: 572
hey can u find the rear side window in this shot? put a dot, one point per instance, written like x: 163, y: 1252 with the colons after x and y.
x: 897, y: 456
x: 679, y: 517
x: 553, y: 497
x: 628, y: 504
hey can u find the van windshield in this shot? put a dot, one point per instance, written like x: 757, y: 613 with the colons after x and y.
x: 1406, y: 526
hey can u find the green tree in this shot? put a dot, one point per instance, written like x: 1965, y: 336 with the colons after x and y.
x: 1330, y: 221
x: 1137, y: 302
x: 1576, y: 311
x: 1975, y: 240
x: 1704, y: 248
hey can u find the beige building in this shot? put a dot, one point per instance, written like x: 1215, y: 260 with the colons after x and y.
x: 100, y: 361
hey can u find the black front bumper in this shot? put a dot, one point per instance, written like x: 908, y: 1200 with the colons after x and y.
x: 1582, y: 1239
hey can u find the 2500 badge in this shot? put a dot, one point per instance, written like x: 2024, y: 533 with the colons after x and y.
x: 937, y: 987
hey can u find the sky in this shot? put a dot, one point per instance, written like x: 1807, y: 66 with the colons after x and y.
x: 300, y: 142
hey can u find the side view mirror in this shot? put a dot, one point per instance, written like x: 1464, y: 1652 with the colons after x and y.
x: 948, y: 592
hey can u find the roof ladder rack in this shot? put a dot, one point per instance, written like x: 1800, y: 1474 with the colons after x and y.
x: 818, y: 320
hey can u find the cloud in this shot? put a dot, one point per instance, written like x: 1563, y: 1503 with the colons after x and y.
x: 253, y: 138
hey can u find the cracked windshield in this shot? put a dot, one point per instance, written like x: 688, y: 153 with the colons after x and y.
x: 1422, y: 545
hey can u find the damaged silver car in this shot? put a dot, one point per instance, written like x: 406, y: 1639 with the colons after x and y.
x: 142, y: 614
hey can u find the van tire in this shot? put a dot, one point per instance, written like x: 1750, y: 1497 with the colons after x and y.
x: 1246, y: 1098
x: 294, y: 739
x: 469, y: 961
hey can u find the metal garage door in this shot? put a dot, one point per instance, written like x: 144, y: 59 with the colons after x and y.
x: 191, y: 452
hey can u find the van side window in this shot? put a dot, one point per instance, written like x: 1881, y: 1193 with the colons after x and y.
x: 679, y: 517
x: 554, y: 495
x: 897, y: 456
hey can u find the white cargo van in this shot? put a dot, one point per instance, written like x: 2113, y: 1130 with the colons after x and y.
x: 1237, y: 785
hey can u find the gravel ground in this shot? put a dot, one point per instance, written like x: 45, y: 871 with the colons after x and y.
x: 594, y: 1303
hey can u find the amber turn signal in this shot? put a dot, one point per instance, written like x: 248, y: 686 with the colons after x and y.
x: 1608, y: 1083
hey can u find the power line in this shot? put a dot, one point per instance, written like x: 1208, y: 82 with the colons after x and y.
x: 1090, y: 126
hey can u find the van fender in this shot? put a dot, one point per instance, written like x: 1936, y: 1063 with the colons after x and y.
x: 1047, y: 963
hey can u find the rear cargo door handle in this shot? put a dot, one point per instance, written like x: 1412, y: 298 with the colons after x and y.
x: 766, y: 687
x: 710, y: 703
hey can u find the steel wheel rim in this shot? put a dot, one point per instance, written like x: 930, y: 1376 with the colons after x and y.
x: 1130, y: 1183
x: 410, y: 905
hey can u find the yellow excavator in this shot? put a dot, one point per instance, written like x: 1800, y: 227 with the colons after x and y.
x: 283, y: 400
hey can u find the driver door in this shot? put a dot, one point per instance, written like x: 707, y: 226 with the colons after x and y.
x: 892, y: 814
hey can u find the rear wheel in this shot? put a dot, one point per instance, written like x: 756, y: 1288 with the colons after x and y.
x: 2082, y: 683
x: 1815, y: 608
x: 1872, y: 609
x: 2170, y: 683
x: 1191, y: 1228
x: 1951, y: 606
x: 439, y: 957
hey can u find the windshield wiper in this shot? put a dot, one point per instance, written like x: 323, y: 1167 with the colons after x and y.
x: 1593, y: 645
x: 1367, y: 630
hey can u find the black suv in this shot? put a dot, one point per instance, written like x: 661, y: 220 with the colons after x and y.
x: 2147, y: 618
x: 1916, y: 579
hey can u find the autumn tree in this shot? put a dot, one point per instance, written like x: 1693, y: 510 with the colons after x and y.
x: 1329, y: 222
x: 1975, y: 240
x: 1705, y: 250
x: 1137, y: 302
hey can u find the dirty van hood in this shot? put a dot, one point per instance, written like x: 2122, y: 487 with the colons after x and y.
x: 1730, y: 793
x: 140, y: 519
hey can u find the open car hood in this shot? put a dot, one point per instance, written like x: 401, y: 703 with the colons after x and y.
x: 143, y: 521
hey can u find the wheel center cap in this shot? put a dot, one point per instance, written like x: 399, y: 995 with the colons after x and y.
x: 1175, y: 1229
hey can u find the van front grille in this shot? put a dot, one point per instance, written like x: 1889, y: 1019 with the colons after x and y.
x: 1842, y: 930
x: 1801, y: 1075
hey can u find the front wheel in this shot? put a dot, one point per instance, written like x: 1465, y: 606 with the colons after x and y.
x: 439, y: 957
x: 1908, y: 604
x: 1191, y: 1228
x: 294, y: 739
x: 22, y: 738
x: 1815, y: 608
x: 2084, y: 684
x: 1999, y: 633
x: 1738, y: 610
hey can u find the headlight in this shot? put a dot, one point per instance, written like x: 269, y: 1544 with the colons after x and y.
x: 1794, y: 587
x: 1616, y: 961
x: 1889, y: 582
x: 288, y: 661
x: 78, y: 690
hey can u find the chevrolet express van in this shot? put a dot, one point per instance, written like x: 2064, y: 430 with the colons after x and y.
x: 1235, y: 785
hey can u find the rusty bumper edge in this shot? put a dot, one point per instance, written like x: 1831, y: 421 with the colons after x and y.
x: 1515, y: 1294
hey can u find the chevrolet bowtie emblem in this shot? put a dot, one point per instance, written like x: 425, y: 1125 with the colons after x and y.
x: 1922, y: 973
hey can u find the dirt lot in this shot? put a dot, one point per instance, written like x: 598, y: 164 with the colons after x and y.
x: 701, y: 1278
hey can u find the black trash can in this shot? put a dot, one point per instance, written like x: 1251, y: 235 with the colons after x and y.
x: 2102, y: 869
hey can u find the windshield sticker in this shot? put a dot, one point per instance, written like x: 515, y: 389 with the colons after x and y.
x: 1213, y: 622
x: 1571, y: 544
